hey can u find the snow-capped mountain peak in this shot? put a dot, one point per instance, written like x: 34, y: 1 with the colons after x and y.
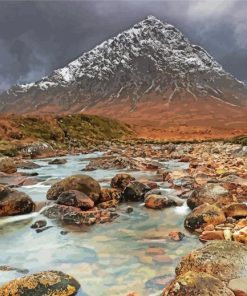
x: 152, y: 57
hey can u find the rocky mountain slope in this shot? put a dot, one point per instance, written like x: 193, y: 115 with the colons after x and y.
x: 151, y: 60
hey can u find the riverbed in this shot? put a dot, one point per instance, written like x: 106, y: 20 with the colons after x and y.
x: 132, y: 253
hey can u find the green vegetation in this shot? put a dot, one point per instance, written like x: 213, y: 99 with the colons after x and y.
x: 239, y: 140
x: 61, y: 132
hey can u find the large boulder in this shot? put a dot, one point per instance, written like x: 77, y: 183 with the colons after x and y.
x: 52, y: 283
x: 76, y: 199
x: 13, y: 202
x: 204, y: 215
x: 82, y: 183
x: 7, y: 165
x: 120, y: 181
x: 135, y: 191
x: 225, y: 260
x: 197, y: 283
x: 209, y: 193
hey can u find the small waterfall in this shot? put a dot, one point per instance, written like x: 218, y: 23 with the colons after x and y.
x: 25, y: 217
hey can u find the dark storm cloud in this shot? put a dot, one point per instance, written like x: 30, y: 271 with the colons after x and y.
x: 39, y: 36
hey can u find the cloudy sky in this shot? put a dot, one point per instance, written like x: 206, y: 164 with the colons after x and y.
x: 37, y: 37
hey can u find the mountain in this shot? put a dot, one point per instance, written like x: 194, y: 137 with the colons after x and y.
x: 151, y: 64
x: 151, y: 57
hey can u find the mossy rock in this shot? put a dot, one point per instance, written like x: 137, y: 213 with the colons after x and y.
x: 82, y: 183
x: 225, y: 260
x: 47, y: 283
x: 197, y: 283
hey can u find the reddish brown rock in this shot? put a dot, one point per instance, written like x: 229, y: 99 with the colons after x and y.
x: 7, y: 165
x: 13, y: 202
x: 204, y: 215
x: 82, y: 183
x: 176, y: 235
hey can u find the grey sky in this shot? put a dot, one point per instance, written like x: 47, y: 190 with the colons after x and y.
x: 37, y: 37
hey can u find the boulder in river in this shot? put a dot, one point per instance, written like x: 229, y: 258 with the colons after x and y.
x: 58, y: 161
x: 120, y: 181
x: 155, y: 201
x: 82, y: 183
x: 209, y: 193
x: 225, y: 260
x: 76, y: 199
x: 197, y: 283
x: 53, y: 283
x: 13, y: 202
x: 7, y: 165
x: 135, y: 191
x: 204, y: 215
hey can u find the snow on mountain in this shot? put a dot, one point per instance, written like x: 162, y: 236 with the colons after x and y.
x: 150, y: 58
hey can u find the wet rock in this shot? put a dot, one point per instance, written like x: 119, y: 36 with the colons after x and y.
x: 7, y: 165
x: 176, y: 235
x: 72, y: 215
x: 13, y: 202
x: 236, y: 210
x: 39, y: 224
x: 135, y: 191
x: 120, y: 181
x: 212, y: 235
x: 107, y: 194
x: 58, y: 161
x: 82, y: 183
x: 209, y: 193
x: 204, y: 215
x: 10, y: 268
x: 27, y: 165
x: 129, y: 210
x: 238, y: 286
x: 76, y: 199
x: 39, y: 230
x: 64, y: 232
x: 42, y: 283
x: 225, y: 260
x: 155, y: 201
x: 195, y: 284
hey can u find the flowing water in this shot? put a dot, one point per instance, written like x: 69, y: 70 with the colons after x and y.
x: 133, y: 253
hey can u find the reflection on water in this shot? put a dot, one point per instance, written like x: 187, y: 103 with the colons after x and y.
x: 133, y: 253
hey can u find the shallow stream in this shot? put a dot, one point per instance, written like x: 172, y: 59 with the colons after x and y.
x: 133, y: 253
